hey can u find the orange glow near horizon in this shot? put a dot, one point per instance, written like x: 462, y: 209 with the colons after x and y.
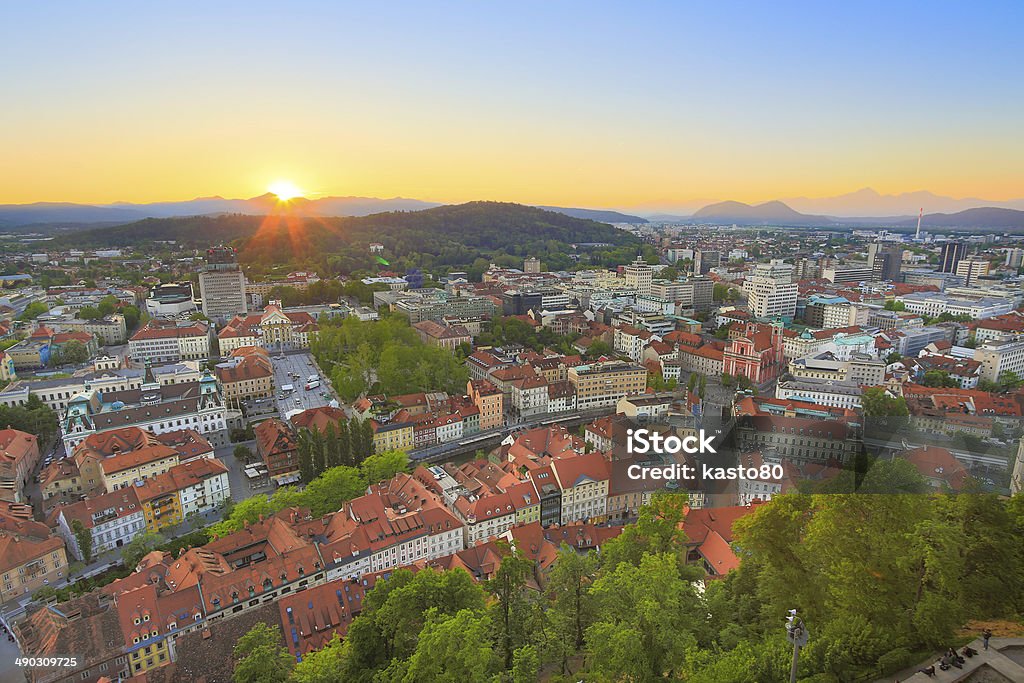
x: 284, y: 190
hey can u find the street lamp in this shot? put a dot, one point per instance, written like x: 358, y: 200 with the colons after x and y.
x: 796, y: 632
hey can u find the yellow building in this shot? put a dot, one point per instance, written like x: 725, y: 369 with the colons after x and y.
x: 123, y: 470
x: 161, y: 502
x: 30, y: 556
x: 603, y: 384
x: 246, y: 374
x: 391, y: 437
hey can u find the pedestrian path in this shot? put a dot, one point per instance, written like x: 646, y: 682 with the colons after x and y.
x: 1003, y: 662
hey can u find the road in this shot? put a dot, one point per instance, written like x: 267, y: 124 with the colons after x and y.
x: 295, y: 369
x: 483, y: 440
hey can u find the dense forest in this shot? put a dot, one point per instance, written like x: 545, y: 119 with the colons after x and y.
x: 882, y: 582
x: 435, y: 239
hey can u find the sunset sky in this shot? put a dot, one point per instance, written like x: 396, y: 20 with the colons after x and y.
x: 583, y: 104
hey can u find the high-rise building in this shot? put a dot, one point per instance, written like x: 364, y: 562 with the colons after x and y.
x: 531, y: 265
x: 884, y: 261
x: 952, y: 252
x: 222, y: 285
x: 639, y: 275
x: 1014, y: 258
x: 970, y: 269
x: 771, y: 298
x: 706, y: 259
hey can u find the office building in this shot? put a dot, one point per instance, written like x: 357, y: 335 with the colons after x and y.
x: 884, y: 261
x: 951, y: 254
x: 970, y: 269
x: 706, y: 259
x: 222, y: 285
x: 639, y: 276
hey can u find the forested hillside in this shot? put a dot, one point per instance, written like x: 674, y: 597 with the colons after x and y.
x: 443, y: 237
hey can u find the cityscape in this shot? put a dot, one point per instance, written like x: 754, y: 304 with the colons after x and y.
x: 380, y: 409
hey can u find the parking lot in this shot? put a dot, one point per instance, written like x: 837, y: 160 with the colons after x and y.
x: 295, y: 369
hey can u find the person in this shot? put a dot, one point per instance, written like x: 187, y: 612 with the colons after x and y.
x: 969, y: 651
x: 985, y: 635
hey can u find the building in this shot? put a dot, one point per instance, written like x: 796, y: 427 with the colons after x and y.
x: 170, y: 341
x: 934, y: 304
x: 275, y: 329
x: 603, y: 384
x: 489, y: 400
x: 771, y: 291
x: 160, y: 409
x: 111, y: 519
x: 30, y: 556
x: 797, y: 431
x: 532, y: 265
x: 848, y: 274
x: 706, y: 259
x: 187, y: 489
x: 171, y: 300
x: 999, y: 357
x: 822, y: 392
x: 583, y: 481
x: 950, y: 257
x: 444, y: 336
x: 860, y: 369
x: 392, y: 436
x: 128, y: 468
x: 222, y: 285
x: 246, y: 374
x: 754, y: 352
x: 19, y: 455
x: 971, y: 269
x: 639, y: 275
x: 885, y: 261
x: 278, y: 448
x: 695, y: 293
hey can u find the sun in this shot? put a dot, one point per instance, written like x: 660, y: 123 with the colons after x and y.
x: 284, y: 190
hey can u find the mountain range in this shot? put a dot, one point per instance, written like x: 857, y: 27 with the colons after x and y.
x: 863, y: 207
x: 81, y: 215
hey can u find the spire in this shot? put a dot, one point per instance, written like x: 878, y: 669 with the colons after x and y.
x: 149, y: 378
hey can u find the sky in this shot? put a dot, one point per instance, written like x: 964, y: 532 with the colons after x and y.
x: 637, y: 104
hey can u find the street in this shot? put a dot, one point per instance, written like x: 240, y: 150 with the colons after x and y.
x: 294, y: 369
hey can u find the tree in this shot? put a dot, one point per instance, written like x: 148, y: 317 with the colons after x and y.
x: 262, y: 656
x: 894, y: 305
x: 107, y: 305
x: 332, y: 489
x: 242, y: 453
x: 89, y: 313
x: 657, y: 531
x: 893, y: 357
x: 132, y: 316
x: 648, y: 617
x: 33, y: 311
x: 84, y: 539
x: 455, y: 650
x: 572, y: 609
x: 525, y: 665
x: 383, y: 466
x: 878, y: 402
x: 72, y: 352
x: 938, y: 378
x: 1009, y: 380
x: 507, y: 587
x: 139, y: 547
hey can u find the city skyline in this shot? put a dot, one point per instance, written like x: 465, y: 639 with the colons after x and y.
x: 568, y: 105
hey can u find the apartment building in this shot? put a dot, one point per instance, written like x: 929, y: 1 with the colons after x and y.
x: 603, y: 384
x: 19, y: 455
x: 169, y: 341
x: 246, y: 374
x: 112, y: 519
x: 30, y: 555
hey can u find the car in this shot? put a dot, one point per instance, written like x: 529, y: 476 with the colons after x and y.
x: 298, y: 401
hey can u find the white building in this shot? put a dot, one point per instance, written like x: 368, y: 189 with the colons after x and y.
x: 168, y: 341
x: 112, y: 519
x: 822, y: 392
x: 639, y: 275
x: 934, y: 304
